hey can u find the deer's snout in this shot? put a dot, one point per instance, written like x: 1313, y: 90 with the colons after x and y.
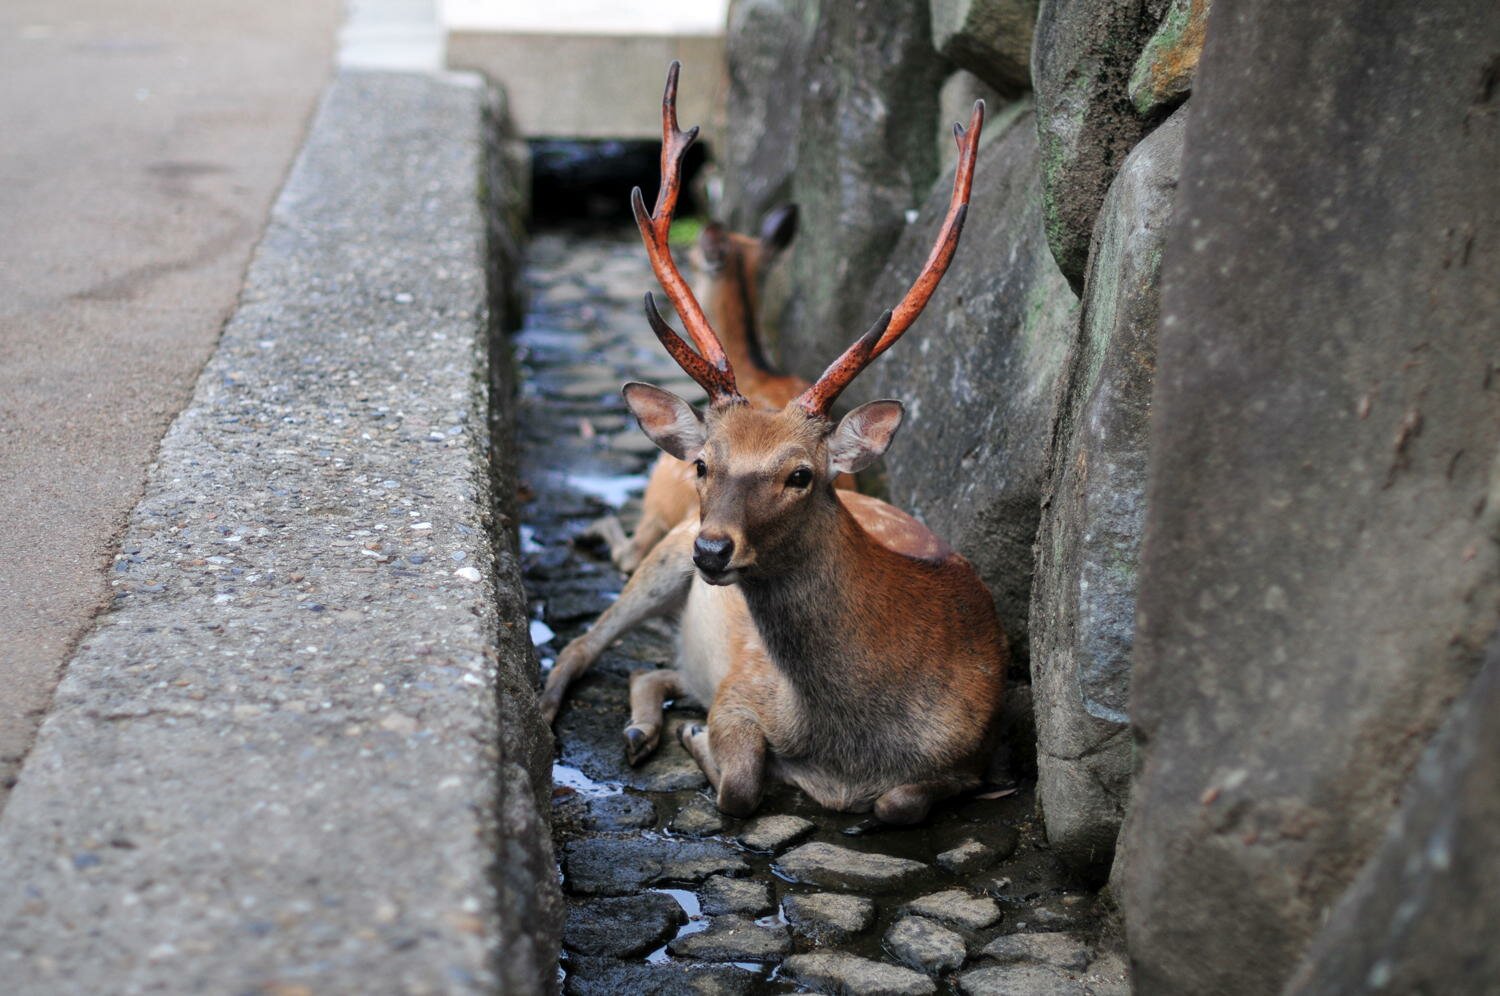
x: 711, y: 554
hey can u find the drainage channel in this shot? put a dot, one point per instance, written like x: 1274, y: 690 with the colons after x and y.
x: 664, y: 893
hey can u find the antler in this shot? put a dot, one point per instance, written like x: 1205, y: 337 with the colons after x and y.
x: 709, y: 366
x: 819, y: 398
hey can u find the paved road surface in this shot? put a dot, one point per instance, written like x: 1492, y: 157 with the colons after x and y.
x: 143, y: 143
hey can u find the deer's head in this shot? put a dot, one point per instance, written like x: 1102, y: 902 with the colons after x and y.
x: 765, y: 478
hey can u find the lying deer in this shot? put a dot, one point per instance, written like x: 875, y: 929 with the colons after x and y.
x: 732, y: 267
x: 839, y: 644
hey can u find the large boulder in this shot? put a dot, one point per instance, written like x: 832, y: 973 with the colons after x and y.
x: 1083, y: 597
x: 1320, y: 570
x: 989, y: 38
x: 766, y: 52
x: 865, y: 157
x: 1081, y: 63
x: 979, y: 369
x: 1421, y: 917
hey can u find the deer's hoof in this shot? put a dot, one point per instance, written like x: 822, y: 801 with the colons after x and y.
x: 641, y: 742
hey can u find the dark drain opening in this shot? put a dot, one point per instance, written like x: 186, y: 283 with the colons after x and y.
x: 576, y: 180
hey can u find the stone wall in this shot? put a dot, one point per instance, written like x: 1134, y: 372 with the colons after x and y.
x: 1304, y: 430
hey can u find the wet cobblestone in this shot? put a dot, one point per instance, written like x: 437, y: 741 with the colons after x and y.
x: 653, y: 831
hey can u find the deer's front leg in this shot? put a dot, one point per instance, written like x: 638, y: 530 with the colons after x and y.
x: 657, y: 589
x: 731, y: 750
x: 649, y: 691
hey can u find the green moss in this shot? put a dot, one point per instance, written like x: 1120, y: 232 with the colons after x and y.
x: 685, y: 231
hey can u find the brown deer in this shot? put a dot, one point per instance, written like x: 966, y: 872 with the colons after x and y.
x: 732, y: 267
x: 839, y: 644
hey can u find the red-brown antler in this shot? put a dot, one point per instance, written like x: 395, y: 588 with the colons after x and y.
x: 709, y: 366
x: 818, y: 399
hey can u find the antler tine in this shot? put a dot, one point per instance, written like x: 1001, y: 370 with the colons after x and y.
x: 718, y: 382
x: 711, y: 369
x: 818, y: 399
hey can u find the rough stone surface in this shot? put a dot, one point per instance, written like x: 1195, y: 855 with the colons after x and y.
x: 850, y: 975
x: 621, y: 926
x: 1065, y: 951
x: 1421, y: 916
x: 978, y: 371
x: 620, y: 812
x: 721, y: 894
x: 1088, y: 547
x: 989, y: 38
x: 734, y: 938
x: 957, y: 907
x: 828, y: 917
x: 968, y: 857
x: 836, y: 867
x: 1320, y: 573
x: 608, y: 977
x: 1020, y: 979
x: 925, y: 945
x: 699, y: 818
x: 601, y: 866
x: 294, y: 688
x: 864, y: 158
x: 1080, y: 66
x: 1163, y: 75
x: 766, y: 50
x: 772, y: 833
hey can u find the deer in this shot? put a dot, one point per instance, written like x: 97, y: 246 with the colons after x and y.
x: 732, y: 267
x: 839, y: 645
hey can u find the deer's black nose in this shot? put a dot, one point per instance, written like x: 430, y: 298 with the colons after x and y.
x: 712, y: 553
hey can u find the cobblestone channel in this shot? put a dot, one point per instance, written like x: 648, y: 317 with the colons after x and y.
x: 665, y: 894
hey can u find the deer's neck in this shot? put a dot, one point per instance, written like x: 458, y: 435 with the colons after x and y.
x: 813, y: 618
x: 734, y: 303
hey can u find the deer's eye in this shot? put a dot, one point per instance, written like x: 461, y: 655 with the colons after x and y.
x: 799, y: 478
x: 701, y: 468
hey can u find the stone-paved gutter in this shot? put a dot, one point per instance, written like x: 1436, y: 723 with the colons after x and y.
x: 665, y: 895
x: 273, y: 765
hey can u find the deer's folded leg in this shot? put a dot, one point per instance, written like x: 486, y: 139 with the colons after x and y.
x: 649, y: 690
x: 907, y: 804
x: 657, y: 589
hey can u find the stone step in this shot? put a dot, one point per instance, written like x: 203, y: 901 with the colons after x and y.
x: 273, y: 765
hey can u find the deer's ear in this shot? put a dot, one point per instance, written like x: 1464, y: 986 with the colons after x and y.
x: 667, y: 419
x: 778, y: 227
x: 863, y: 435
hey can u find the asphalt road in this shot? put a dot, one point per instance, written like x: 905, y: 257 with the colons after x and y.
x: 141, y: 145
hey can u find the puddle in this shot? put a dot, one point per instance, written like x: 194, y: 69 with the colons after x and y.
x: 696, y: 922
x: 614, y: 490
x: 541, y: 633
x: 567, y: 776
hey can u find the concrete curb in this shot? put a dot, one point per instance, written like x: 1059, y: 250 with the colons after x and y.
x: 301, y: 752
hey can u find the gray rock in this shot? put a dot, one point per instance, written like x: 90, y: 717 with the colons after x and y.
x: 1329, y: 391
x: 1066, y: 951
x: 620, y: 812
x: 699, y: 818
x: 608, y: 977
x: 1163, y: 75
x: 837, y: 867
x: 612, y: 866
x: 850, y: 975
x: 772, y: 833
x: 734, y: 938
x: 721, y: 894
x: 828, y: 917
x: 978, y: 372
x: 970, y: 856
x: 766, y: 52
x: 865, y: 157
x: 989, y: 38
x: 1083, y: 595
x: 1421, y: 915
x: 925, y: 945
x: 1080, y: 66
x: 1020, y: 980
x: 957, y: 907
x: 621, y: 926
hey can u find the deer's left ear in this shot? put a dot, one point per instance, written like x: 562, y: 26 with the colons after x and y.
x: 863, y: 436
x: 671, y: 422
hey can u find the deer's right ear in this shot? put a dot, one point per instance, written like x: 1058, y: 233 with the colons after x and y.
x: 671, y: 422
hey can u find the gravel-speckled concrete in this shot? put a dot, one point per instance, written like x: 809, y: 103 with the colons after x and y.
x: 274, y: 762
